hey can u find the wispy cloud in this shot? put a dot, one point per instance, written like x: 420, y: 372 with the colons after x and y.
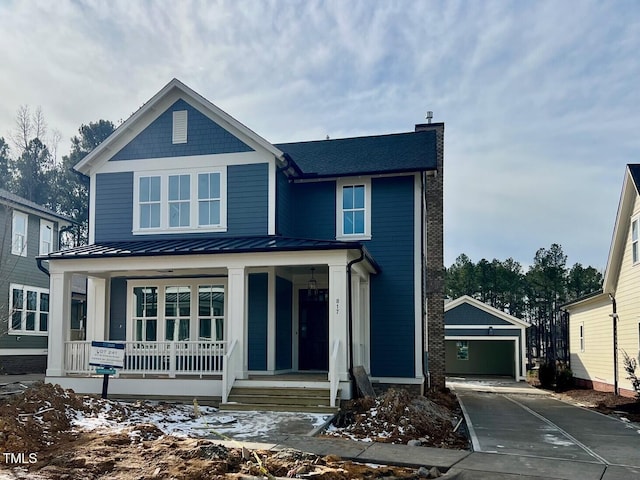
x: 539, y: 98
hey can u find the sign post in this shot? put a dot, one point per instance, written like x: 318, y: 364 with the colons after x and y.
x: 108, y: 356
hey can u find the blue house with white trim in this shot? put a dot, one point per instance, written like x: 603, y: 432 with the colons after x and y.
x: 224, y: 262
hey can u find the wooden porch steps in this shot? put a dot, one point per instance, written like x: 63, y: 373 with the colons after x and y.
x: 280, y: 399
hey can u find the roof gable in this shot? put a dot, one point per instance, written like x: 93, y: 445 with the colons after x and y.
x: 204, y: 136
x: 630, y: 190
x: 8, y: 198
x: 463, y: 306
x: 399, y: 152
x: 157, y: 106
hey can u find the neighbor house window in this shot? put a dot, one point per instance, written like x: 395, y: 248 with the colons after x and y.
x: 582, y: 337
x: 46, y: 237
x: 149, y: 202
x: 353, y: 215
x: 635, y: 226
x: 179, y: 200
x: 179, y: 134
x: 29, y: 307
x: 166, y: 202
x: 19, y: 234
x: 462, y: 350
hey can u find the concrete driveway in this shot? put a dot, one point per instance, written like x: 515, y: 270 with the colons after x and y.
x: 517, y: 429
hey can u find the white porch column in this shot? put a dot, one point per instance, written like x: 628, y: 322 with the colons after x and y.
x: 338, y: 319
x: 59, y: 322
x: 356, y: 308
x: 236, y: 308
x: 96, y: 308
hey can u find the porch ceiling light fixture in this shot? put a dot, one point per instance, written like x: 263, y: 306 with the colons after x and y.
x: 312, y: 285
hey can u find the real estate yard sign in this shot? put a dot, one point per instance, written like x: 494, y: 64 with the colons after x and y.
x: 108, y: 356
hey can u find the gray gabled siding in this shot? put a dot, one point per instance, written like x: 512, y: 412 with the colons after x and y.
x: 465, y: 314
x: 247, y: 205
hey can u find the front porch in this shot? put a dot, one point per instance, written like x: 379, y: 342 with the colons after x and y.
x: 198, y: 325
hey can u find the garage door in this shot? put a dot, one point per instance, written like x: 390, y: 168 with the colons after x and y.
x: 480, y: 357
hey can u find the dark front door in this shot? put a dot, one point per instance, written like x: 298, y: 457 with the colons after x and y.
x: 313, y: 328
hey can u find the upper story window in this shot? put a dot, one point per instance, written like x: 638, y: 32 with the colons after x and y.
x: 635, y: 227
x: 46, y: 237
x: 179, y: 134
x: 19, y: 234
x: 29, y: 307
x: 353, y: 210
x: 180, y: 202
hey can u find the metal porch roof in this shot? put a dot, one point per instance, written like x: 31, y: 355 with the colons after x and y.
x: 205, y: 246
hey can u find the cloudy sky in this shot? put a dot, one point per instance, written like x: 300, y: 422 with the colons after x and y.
x: 541, y: 100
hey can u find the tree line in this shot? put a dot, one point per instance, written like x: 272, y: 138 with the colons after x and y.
x: 30, y: 167
x: 535, y: 295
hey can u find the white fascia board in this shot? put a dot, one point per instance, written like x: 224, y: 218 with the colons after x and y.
x: 600, y: 298
x: 151, y: 110
x: 487, y: 308
x: 100, y: 266
x: 618, y: 239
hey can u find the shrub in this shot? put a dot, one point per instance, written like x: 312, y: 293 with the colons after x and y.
x: 630, y: 365
x: 564, y: 379
x: 547, y: 375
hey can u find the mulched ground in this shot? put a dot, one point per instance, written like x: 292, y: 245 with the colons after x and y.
x: 604, y: 402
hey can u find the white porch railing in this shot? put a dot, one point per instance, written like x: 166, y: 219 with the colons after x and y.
x: 229, y: 369
x: 333, y: 373
x: 154, y: 358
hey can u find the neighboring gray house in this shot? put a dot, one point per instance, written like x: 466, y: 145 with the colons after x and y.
x: 28, y: 230
x: 482, y: 340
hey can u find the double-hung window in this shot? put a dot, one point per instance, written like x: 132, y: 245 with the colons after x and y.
x: 29, y: 307
x: 149, y: 202
x: 145, y: 317
x: 177, y: 312
x: 353, y: 212
x: 172, y: 202
x: 179, y: 200
x: 211, y: 312
x: 635, y: 230
x: 19, y: 234
x: 46, y: 237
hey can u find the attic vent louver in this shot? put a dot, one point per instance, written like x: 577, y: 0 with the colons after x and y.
x: 180, y: 126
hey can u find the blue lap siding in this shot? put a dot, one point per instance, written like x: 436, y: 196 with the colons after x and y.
x: 315, y: 210
x: 257, y: 320
x: 392, y: 290
x: 118, y: 310
x: 284, y: 318
x: 203, y: 137
x: 247, y: 205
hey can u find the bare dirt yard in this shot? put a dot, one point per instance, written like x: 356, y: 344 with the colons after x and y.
x: 50, y: 433
x: 625, y: 408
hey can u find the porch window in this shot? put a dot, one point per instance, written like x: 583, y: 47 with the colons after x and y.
x: 29, y: 307
x: 179, y: 200
x: 353, y: 205
x: 149, y: 202
x: 146, y: 313
x: 177, y: 313
x: 19, y: 234
x: 635, y: 227
x: 211, y: 312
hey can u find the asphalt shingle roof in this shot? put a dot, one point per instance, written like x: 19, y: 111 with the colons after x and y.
x: 399, y: 152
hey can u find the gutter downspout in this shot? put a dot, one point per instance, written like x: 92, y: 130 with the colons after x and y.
x: 614, y: 317
x: 41, y: 267
x: 354, y: 388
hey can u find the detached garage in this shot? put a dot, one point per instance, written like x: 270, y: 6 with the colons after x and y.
x: 482, y: 340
